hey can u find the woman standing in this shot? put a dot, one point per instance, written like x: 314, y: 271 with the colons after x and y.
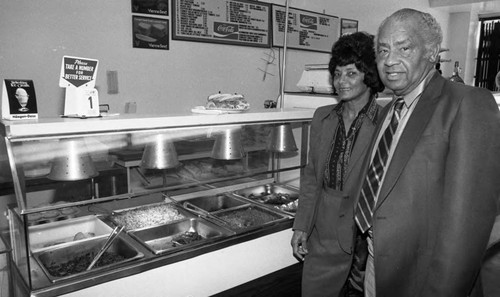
x: 340, y: 134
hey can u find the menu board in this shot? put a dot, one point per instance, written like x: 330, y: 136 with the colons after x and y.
x: 306, y: 30
x: 240, y: 22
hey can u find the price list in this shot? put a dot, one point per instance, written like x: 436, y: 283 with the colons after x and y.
x: 306, y: 30
x: 239, y: 22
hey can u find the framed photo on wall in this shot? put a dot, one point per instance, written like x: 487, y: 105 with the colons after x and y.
x: 151, y: 33
x: 348, y: 26
x: 159, y: 7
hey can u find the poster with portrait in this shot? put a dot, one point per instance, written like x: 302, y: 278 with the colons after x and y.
x: 152, y: 33
x: 19, y: 100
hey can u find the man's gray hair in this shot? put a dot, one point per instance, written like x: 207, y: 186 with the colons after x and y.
x: 427, y: 24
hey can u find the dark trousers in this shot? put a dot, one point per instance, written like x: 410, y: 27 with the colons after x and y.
x: 354, y: 284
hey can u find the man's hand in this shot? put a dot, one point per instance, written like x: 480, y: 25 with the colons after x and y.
x: 299, y: 244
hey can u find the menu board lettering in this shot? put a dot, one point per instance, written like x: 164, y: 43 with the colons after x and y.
x: 306, y: 30
x: 239, y: 22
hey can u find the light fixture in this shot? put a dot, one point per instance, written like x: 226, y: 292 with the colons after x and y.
x: 73, y: 162
x: 281, y: 139
x: 228, y: 145
x: 160, y: 153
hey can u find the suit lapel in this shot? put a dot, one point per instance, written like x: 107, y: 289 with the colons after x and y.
x: 328, y: 127
x: 361, y: 146
x: 411, y: 135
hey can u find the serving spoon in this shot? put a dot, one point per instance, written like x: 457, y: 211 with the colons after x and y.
x: 109, y: 241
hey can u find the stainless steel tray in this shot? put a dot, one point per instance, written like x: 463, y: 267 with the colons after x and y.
x: 249, y: 217
x: 216, y: 202
x: 150, y: 215
x: 273, y: 195
x: 63, y: 232
x: 172, y: 237
x: 68, y: 261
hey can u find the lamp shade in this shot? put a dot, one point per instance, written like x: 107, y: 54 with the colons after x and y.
x: 160, y: 154
x: 72, y: 163
x: 281, y: 139
x: 228, y: 145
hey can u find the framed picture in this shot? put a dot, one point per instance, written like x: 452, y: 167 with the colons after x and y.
x: 151, y: 33
x: 159, y: 7
x: 19, y: 100
x: 307, y: 30
x: 348, y: 26
x: 236, y: 22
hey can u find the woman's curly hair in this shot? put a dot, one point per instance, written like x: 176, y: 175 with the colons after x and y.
x: 358, y: 49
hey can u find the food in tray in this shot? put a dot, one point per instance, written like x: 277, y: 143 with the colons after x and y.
x: 74, y: 258
x: 227, y: 102
x: 176, y: 235
x: 280, y: 198
x: 83, y: 235
x: 289, y: 207
x: 273, y: 198
x: 80, y: 263
x: 246, y: 217
x: 148, y: 216
x: 186, y: 238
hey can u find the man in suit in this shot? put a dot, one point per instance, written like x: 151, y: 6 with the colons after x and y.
x: 435, y: 203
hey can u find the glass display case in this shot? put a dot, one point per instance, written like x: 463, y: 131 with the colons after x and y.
x: 104, y: 199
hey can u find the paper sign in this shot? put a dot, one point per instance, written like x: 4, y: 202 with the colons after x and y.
x: 78, y: 76
x: 81, y: 103
x: 78, y: 72
x: 19, y: 100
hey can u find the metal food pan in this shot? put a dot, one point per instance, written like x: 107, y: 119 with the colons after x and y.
x: 176, y: 236
x: 71, y: 260
x: 273, y: 195
x: 216, y: 202
x: 150, y: 215
x: 249, y: 217
x: 62, y: 232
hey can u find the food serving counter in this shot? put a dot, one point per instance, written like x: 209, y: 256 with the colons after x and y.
x: 151, y: 204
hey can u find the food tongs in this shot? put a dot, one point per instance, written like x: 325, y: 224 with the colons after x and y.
x: 111, y: 238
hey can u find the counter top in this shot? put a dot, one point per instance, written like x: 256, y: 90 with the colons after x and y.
x: 66, y: 126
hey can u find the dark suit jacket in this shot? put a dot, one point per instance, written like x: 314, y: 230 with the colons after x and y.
x: 336, y: 259
x: 437, y: 205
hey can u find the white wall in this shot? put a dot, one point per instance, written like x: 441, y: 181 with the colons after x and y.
x: 459, y: 29
x: 35, y: 35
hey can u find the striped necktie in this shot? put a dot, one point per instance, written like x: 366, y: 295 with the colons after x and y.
x: 371, y: 185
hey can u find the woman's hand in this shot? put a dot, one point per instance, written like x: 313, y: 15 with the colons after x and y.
x: 299, y: 244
